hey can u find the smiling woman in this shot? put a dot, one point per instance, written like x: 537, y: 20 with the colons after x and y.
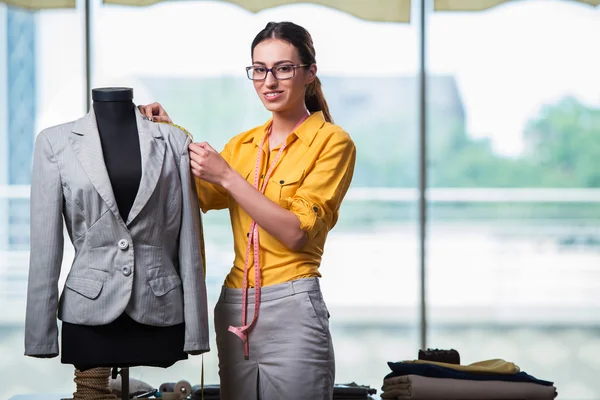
x: 282, y: 207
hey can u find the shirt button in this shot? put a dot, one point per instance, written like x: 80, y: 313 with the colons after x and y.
x: 123, y: 244
x: 126, y: 270
x: 281, y: 182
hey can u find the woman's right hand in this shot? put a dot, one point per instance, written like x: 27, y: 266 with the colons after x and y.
x: 155, y: 112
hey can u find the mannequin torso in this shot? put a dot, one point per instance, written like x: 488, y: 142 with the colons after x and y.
x: 124, y: 342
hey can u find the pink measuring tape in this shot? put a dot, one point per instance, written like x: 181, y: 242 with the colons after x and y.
x: 254, y: 240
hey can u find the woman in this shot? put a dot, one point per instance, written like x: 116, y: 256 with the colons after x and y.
x: 283, y: 183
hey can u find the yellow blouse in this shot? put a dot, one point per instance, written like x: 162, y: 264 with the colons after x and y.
x: 311, y: 179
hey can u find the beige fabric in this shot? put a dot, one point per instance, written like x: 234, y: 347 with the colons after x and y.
x: 494, y: 366
x: 478, y: 5
x: 40, y: 4
x: 372, y: 10
x: 415, y: 387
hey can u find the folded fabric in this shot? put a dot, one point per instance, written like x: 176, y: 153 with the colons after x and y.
x: 436, y: 371
x: 416, y: 387
x: 352, y: 391
x: 495, y: 366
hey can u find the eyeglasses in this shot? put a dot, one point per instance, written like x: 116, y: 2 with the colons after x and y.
x: 280, y: 72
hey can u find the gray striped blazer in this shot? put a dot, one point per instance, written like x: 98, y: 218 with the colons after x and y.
x: 149, y: 266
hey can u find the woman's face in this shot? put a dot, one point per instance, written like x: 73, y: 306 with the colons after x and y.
x: 280, y: 95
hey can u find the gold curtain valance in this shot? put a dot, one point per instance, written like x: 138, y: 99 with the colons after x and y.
x: 40, y: 4
x: 479, y: 5
x: 370, y: 10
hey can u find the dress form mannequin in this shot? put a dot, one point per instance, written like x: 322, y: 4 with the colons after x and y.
x: 124, y: 342
x: 135, y: 292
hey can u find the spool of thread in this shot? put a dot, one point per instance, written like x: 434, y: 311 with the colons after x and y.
x: 183, y: 388
x: 167, y: 387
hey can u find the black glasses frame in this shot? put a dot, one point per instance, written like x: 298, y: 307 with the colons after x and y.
x: 273, y: 72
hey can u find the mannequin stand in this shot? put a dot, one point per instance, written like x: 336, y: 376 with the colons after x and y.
x: 124, y: 372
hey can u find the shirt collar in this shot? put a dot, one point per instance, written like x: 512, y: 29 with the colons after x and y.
x: 306, y: 132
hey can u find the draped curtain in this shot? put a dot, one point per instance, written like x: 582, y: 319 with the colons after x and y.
x: 371, y: 10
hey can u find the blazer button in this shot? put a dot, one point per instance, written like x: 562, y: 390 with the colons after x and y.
x: 123, y: 244
x: 126, y: 270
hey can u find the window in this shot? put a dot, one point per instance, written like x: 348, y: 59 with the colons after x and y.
x: 513, y: 198
x: 512, y: 254
x: 41, y: 62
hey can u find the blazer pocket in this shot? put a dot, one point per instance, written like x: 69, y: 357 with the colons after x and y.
x: 287, y: 185
x: 89, y: 288
x: 164, y: 284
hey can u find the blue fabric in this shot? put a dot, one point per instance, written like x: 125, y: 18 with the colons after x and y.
x: 436, y: 371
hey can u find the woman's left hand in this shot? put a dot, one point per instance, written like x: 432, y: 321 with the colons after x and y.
x: 207, y: 164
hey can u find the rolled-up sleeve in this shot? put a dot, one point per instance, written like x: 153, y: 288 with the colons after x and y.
x: 211, y: 196
x: 317, y: 201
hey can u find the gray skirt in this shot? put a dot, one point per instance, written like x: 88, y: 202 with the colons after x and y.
x: 291, y: 351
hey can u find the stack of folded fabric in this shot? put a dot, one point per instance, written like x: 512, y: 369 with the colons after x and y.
x: 485, y: 380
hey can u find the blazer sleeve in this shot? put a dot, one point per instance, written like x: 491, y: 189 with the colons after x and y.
x: 46, y: 253
x: 192, y: 263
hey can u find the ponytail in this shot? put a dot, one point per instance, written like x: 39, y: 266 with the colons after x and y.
x: 315, y: 99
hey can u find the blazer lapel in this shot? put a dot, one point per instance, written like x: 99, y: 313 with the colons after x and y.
x: 87, y: 147
x: 152, y: 147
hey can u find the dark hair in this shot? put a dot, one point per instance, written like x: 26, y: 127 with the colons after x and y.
x: 298, y: 37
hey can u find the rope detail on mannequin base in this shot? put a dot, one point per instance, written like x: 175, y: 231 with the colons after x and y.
x: 92, y: 384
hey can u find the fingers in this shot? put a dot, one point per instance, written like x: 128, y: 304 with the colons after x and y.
x: 195, y: 148
x: 196, y: 168
x: 195, y: 165
x: 151, y: 110
x: 155, y: 112
x: 157, y: 109
x: 162, y: 114
x: 198, y: 157
x: 207, y: 147
x: 201, y: 148
x: 158, y: 118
